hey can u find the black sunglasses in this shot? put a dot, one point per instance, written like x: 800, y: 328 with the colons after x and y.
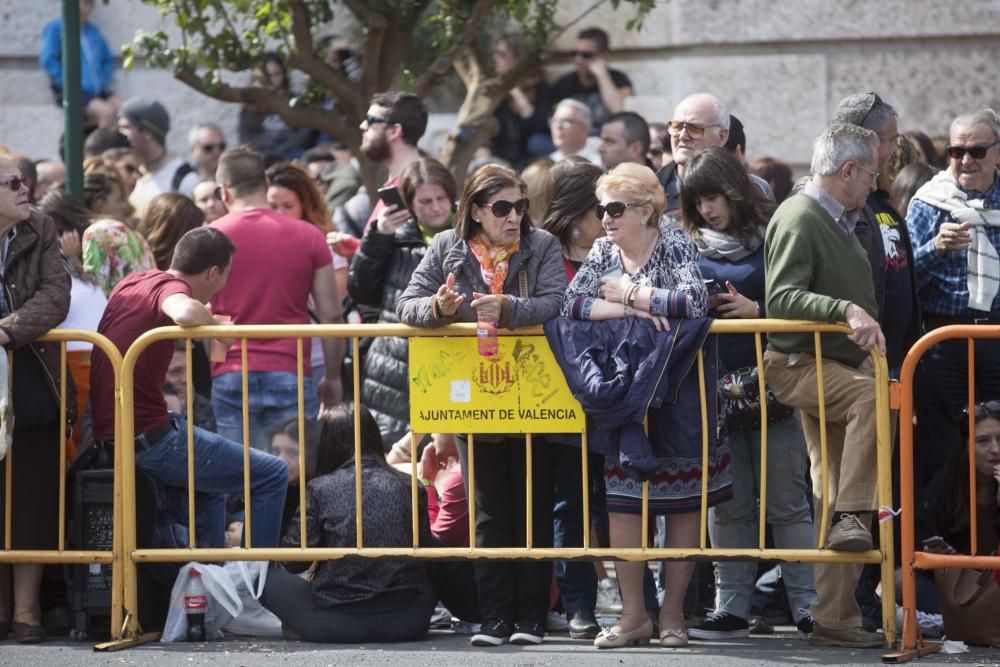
x: 615, y: 209
x: 876, y: 101
x: 976, y: 152
x: 985, y: 409
x: 15, y: 183
x: 374, y: 120
x: 221, y: 146
x: 586, y: 55
x: 502, y: 208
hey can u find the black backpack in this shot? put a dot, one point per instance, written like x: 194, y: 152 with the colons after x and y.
x: 179, y: 176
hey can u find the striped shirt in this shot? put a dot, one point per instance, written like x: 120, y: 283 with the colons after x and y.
x: 846, y: 220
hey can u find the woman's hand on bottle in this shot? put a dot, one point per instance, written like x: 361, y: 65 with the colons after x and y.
x: 447, y: 299
x: 732, y: 304
x: 614, y: 288
x: 391, y: 218
x: 487, y: 306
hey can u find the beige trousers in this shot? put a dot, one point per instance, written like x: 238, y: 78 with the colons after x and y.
x: 849, y: 395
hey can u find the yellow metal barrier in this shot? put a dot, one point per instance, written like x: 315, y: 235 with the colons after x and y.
x: 62, y: 555
x: 132, y: 555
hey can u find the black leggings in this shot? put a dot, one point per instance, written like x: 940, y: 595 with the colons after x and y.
x: 397, y: 616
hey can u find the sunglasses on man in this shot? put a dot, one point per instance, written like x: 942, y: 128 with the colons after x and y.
x: 501, y: 208
x: 586, y: 55
x: 975, y: 152
x: 615, y: 209
x: 14, y: 183
x: 211, y: 148
x: 695, y: 131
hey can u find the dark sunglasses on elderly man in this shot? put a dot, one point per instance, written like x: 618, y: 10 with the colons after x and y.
x: 975, y: 152
x: 14, y: 183
x: 501, y: 208
x: 615, y: 209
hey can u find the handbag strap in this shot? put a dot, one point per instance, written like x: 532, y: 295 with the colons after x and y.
x: 522, y: 281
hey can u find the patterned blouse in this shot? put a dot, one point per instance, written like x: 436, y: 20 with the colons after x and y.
x: 672, y: 271
x: 112, y: 250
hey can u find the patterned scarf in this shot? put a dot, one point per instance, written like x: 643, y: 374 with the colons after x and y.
x: 494, y: 260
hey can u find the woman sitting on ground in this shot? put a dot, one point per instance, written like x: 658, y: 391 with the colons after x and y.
x: 354, y: 600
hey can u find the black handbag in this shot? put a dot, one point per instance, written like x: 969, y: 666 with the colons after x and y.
x: 740, y: 393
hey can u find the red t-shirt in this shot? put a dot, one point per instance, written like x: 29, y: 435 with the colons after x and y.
x: 271, y: 279
x: 134, y: 308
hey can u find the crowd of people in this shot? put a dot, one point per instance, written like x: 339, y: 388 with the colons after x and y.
x: 624, y: 237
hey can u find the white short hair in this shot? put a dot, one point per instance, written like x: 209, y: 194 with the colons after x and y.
x: 987, y: 117
x: 582, y: 110
x: 193, y: 132
x: 841, y: 143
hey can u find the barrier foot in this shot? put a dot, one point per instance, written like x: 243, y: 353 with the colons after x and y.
x: 120, y: 644
x: 905, y: 655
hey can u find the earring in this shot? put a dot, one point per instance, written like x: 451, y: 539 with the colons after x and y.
x: 576, y: 234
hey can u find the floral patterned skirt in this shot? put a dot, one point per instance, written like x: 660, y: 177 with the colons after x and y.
x: 675, y: 487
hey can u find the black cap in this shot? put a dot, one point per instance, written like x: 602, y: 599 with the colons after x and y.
x: 148, y: 115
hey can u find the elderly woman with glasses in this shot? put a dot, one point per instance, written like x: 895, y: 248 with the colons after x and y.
x: 495, y: 266
x: 645, y: 268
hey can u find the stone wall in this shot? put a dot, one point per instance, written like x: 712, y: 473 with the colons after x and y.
x: 780, y: 65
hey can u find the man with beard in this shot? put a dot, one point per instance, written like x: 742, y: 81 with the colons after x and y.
x: 390, y: 132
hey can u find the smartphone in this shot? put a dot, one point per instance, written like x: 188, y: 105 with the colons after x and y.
x: 392, y: 197
x: 936, y: 542
x: 714, y: 286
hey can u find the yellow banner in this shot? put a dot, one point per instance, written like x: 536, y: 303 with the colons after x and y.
x: 520, y: 390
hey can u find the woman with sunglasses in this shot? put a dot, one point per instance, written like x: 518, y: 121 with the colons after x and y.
x: 649, y: 269
x: 494, y: 266
x: 725, y: 215
x: 34, y: 298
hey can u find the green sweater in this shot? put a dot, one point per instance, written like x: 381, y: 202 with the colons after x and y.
x: 813, y: 272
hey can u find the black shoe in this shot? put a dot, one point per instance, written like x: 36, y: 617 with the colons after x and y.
x: 528, y: 633
x: 760, y: 626
x: 493, y: 632
x: 805, y: 626
x: 583, y: 625
x: 721, y: 625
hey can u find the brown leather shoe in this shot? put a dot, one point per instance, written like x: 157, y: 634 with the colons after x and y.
x: 848, y: 638
x: 28, y: 634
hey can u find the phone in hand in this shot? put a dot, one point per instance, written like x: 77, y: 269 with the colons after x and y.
x: 715, y: 287
x: 392, y: 197
x: 936, y: 543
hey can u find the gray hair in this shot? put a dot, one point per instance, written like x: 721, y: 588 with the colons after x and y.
x: 986, y: 117
x: 866, y: 110
x: 841, y: 143
x: 193, y: 132
x: 581, y: 109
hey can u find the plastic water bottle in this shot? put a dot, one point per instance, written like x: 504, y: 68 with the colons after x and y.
x: 486, y: 333
x: 195, y: 606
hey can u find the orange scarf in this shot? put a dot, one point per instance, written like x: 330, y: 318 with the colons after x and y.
x: 494, y: 260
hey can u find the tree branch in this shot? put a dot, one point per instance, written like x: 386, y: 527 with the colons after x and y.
x: 305, y: 59
x: 441, y: 65
x: 271, y: 102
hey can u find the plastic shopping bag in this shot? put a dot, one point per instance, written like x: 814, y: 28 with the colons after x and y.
x: 254, y: 621
x: 223, y: 602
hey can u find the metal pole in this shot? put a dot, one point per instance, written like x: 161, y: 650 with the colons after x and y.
x: 72, y: 98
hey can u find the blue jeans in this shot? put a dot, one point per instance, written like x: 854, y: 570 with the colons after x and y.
x: 218, y: 472
x: 734, y: 523
x: 577, y: 580
x: 274, y: 398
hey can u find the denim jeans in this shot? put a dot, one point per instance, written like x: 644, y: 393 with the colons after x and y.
x: 734, y: 523
x: 577, y: 580
x: 218, y: 472
x: 274, y: 398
